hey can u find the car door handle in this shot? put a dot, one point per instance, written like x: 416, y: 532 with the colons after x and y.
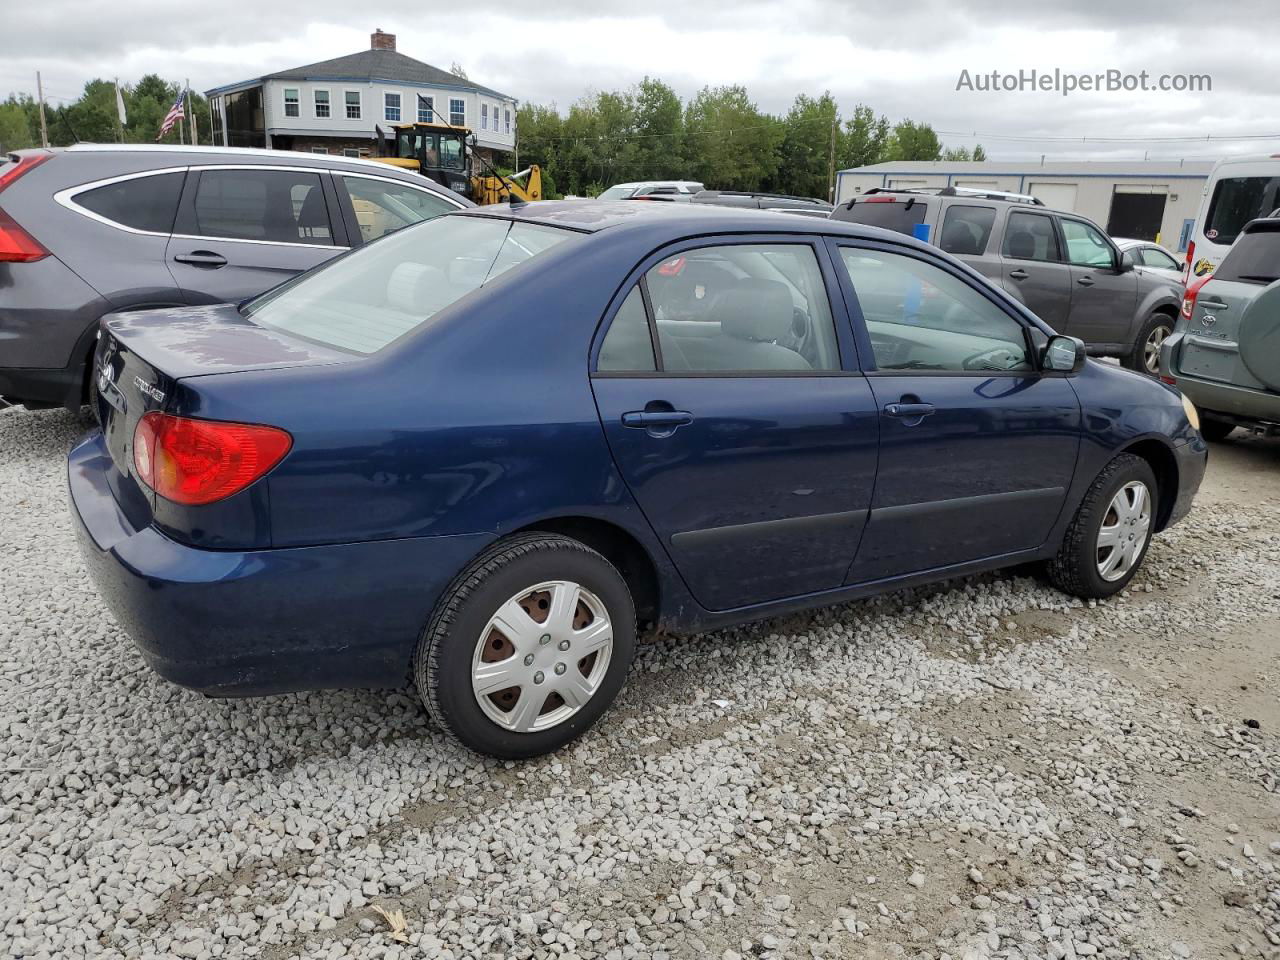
x: 647, y: 419
x: 1018, y: 274
x: 202, y: 258
x: 909, y: 411
x: 1215, y: 304
x: 1086, y: 281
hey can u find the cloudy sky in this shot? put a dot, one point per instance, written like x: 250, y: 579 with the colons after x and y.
x: 903, y: 59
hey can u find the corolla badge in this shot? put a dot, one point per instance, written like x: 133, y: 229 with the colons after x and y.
x: 149, y: 389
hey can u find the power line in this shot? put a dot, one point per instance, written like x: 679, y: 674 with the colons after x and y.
x: 1087, y: 139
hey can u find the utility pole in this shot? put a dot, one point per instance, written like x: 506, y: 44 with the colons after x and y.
x: 44, y: 130
x: 831, y: 165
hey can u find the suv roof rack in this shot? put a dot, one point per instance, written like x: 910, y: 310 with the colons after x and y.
x: 762, y: 195
x: 975, y: 192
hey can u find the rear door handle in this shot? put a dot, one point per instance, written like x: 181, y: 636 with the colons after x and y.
x: 1018, y: 274
x: 1086, y: 281
x: 646, y: 419
x: 202, y: 258
x: 909, y: 411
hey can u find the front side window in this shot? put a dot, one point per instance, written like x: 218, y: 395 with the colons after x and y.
x: 367, y: 300
x: 391, y: 107
x: 457, y: 113
x: 352, y: 100
x: 322, y: 103
x: 291, y: 103
x: 966, y: 229
x: 1154, y: 257
x: 272, y: 205
x: 143, y: 203
x: 383, y: 207
x: 740, y: 308
x: 1086, y: 246
x: 1236, y: 201
x: 426, y: 109
x: 919, y: 317
x: 1030, y: 236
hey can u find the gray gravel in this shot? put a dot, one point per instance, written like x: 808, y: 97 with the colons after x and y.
x: 983, y: 770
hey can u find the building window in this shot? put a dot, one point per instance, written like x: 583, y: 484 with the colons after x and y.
x: 426, y: 109
x: 353, y: 104
x: 291, y: 107
x: 484, y: 116
x: 322, y: 103
x: 391, y: 107
x: 324, y: 150
x: 457, y: 113
x: 507, y: 118
x: 350, y: 152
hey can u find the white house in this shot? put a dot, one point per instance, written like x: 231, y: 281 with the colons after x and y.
x: 337, y: 106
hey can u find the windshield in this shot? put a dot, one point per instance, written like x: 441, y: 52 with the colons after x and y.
x: 618, y: 193
x: 1236, y: 201
x: 433, y: 150
x: 364, y: 301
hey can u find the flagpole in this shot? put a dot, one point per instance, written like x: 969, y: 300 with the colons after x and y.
x: 119, y: 114
x: 195, y: 126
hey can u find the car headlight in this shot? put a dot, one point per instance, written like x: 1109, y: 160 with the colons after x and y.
x: 1193, y: 416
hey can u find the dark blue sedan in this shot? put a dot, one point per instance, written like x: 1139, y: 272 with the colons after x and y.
x: 479, y: 451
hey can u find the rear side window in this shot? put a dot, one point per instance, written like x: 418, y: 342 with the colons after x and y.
x: 1030, y: 236
x: 1254, y: 258
x: 966, y: 229
x: 364, y: 301
x: 629, y: 344
x: 900, y: 215
x: 382, y: 206
x: 1236, y: 201
x: 277, y: 206
x: 143, y: 203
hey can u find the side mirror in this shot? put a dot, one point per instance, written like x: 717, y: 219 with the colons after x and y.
x: 1126, y: 262
x: 1063, y: 355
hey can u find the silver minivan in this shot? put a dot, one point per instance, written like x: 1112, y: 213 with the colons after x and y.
x: 90, y: 229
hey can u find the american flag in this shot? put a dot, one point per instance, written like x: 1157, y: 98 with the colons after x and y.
x: 173, y: 116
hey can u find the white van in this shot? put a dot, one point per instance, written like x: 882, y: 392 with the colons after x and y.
x: 1239, y: 189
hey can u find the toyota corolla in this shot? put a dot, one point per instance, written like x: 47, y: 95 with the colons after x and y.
x: 478, y: 452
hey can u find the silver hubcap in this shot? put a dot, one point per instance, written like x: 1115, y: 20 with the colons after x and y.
x: 542, y: 656
x: 1151, y: 349
x: 1124, y: 530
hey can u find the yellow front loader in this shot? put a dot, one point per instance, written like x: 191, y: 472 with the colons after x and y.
x: 444, y: 154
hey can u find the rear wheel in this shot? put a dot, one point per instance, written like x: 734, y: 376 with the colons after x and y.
x: 528, y: 647
x: 1145, y: 357
x: 1215, y: 430
x: 1107, y: 539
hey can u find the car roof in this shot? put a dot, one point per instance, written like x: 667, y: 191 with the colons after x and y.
x: 672, y: 221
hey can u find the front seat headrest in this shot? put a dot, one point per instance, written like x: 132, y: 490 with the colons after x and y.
x: 759, y: 310
x: 1022, y: 244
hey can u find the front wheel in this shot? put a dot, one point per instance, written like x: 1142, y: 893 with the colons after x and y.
x: 1107, y: 539
x: 528, y: 647
x: 1145, y: 357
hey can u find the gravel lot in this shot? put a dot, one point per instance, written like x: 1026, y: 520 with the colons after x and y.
x: 989, y: 769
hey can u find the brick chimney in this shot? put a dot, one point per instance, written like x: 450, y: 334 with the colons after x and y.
x: 382, y: 41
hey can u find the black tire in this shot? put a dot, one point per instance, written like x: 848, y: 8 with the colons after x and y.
x: 1215, y: 431
x: 1075, y: 569
x: 444, y: 659
x: 1157, y: 323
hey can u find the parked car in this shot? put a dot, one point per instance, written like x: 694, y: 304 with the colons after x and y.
x: 1149, y: 255
x: 1225, y: 353
x: 778, y: 202
x: 1062, y: 266
x: 478, y: 451
x: 94, y: 228
x: 1238, y: 190
x: 652, y: 190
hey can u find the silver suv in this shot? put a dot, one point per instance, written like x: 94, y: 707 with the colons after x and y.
x: 1061, y: 265
x: 1225, y: 353
x: 94, y: 228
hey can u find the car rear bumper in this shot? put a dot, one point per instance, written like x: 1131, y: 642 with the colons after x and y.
x: 1236, y: 403
x: 245, y: 623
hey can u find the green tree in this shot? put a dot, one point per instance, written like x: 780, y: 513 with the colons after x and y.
x: 978, y: 152
x: 805, y: 154
x: 913, y: 141
x: 732, y: 145
x: 658, y: 150
x: 19, y: 123
x: 865, y: 139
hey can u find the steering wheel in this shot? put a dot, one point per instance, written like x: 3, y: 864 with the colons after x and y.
x: 997, y: 358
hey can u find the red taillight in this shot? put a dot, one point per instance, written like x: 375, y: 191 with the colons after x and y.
x: 16, y: 245
x: 672, y: 268
x: 1193, y: 290
x: 1186, y: 267
x: 23, y: 165
x: 1171, y: 381
x: 195, y: 462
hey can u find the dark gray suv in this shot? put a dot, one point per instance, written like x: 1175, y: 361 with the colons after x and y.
x: 94, y: 228
x: 1061, y: 265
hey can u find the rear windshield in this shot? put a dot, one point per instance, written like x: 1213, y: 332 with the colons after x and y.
x: 1236, y: 201
x: 364, y: 301
x: 1255, y: 258
x: 900, y: 215
x: 618, y: 193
